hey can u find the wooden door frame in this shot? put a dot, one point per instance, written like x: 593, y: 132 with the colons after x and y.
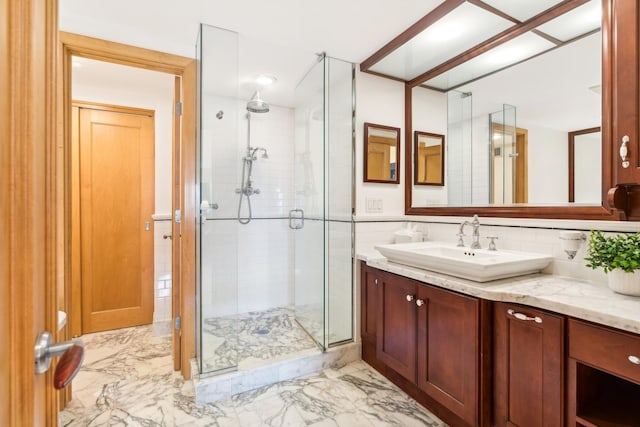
x: 28, y: 248
x: 103, y: 50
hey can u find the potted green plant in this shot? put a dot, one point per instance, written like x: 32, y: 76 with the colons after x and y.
x: 619, y: 257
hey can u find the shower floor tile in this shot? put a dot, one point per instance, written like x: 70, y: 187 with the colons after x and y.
x: 127, y: 379
x: 252, y: 338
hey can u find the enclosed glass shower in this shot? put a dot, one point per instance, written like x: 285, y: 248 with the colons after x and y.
x: 274, y: 236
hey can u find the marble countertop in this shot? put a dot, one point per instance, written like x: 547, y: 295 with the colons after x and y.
x: 565, y: 295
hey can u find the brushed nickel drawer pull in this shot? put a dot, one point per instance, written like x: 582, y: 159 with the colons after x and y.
x: 419, y: 302
x: 522, y: 316
x: 410, y: 298
x: 634, y: 359
x: 375, y: 281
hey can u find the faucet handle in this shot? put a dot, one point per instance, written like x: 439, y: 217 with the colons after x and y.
x: 460, y: 240
x: 492, y: 243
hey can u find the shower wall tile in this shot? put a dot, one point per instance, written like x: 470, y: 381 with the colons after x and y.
x: 162, y: 277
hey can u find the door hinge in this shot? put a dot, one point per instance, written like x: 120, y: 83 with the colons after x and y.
x: 177, y: 323
x: 179, y: 108
x: 178, y: 216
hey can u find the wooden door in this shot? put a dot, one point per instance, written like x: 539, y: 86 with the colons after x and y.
x: 116, y: 154
x: 396, y: 324
x: 28, y: 207
x: 528, y: 367
x: 448, y: 350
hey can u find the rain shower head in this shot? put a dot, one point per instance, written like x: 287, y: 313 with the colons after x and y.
x: 256, y: 104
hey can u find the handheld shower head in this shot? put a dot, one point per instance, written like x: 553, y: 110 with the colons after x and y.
x: 256, y: 104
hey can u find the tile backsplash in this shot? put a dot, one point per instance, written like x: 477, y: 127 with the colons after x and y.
x: 533, y: 238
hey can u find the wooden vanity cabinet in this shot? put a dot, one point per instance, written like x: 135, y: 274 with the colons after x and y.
x: 427, y: 342
x: 528, y: 367
x: 603, y: 376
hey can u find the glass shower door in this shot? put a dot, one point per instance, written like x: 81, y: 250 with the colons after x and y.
x: 307, y: 218
x: 216, y: 225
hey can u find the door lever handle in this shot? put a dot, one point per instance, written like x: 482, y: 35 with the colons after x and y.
x: 72, y: 356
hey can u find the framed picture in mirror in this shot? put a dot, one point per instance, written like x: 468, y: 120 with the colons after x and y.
x: 428, y: 149
x: 381, y: 154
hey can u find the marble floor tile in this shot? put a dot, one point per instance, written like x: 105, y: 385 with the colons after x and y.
x: 127, y: 380
x: 244, y: 338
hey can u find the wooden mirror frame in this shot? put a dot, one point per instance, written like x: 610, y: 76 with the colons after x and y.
x: 365, y: 168
x: 603, y: 212
x: 572, y: 158
x: 416, y: 139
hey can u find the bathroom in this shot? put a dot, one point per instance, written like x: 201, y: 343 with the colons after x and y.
x: 379, y: 209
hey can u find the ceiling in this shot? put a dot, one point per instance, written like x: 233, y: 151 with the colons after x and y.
x: 281, y: 38
x: 278, y: 37
x: 463, y: 40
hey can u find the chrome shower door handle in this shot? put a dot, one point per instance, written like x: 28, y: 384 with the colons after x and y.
x: 296, y: 219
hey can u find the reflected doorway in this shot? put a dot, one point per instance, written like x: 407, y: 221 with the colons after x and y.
x: 508, y: 164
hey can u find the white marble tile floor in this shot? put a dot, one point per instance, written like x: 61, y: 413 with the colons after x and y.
x: 127, y: 380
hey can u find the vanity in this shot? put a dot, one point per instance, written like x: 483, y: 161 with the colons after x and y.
x: 533, y: 350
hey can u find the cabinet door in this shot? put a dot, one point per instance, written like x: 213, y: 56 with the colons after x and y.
x: 369, y: 279
x: 448, y: 350
x: 528, y: 367
x: 369, y: 302
x: 396, y: 328
x: 623, y: 76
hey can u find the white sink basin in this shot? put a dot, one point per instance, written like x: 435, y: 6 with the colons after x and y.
x: 480, y: 265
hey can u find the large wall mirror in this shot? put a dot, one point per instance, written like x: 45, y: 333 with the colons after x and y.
x: 512, y: 90
x: 507, y: 132
x: 381, y: 154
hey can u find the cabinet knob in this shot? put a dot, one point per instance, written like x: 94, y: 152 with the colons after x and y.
x: 419, y: 302
x: 634, y: 359
x: 410, y: 298
x: 375, y: 281
x: 522, y: 316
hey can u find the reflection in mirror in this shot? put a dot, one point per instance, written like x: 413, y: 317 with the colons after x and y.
x: 585, y: 166
x: 551, y: 95
x: 381, y: 149
x: 508, y: 158
x: 429, y: 158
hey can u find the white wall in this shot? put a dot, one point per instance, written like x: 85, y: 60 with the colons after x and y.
x: 429, y: 114
x: 379, y: 101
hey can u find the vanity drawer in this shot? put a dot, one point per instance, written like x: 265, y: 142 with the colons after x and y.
x: 614, y: 351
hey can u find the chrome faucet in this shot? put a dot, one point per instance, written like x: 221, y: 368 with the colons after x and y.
x: 476, y: 233
x: 461, y: 233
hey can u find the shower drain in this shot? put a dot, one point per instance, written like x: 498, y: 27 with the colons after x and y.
x: 263, y: 332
